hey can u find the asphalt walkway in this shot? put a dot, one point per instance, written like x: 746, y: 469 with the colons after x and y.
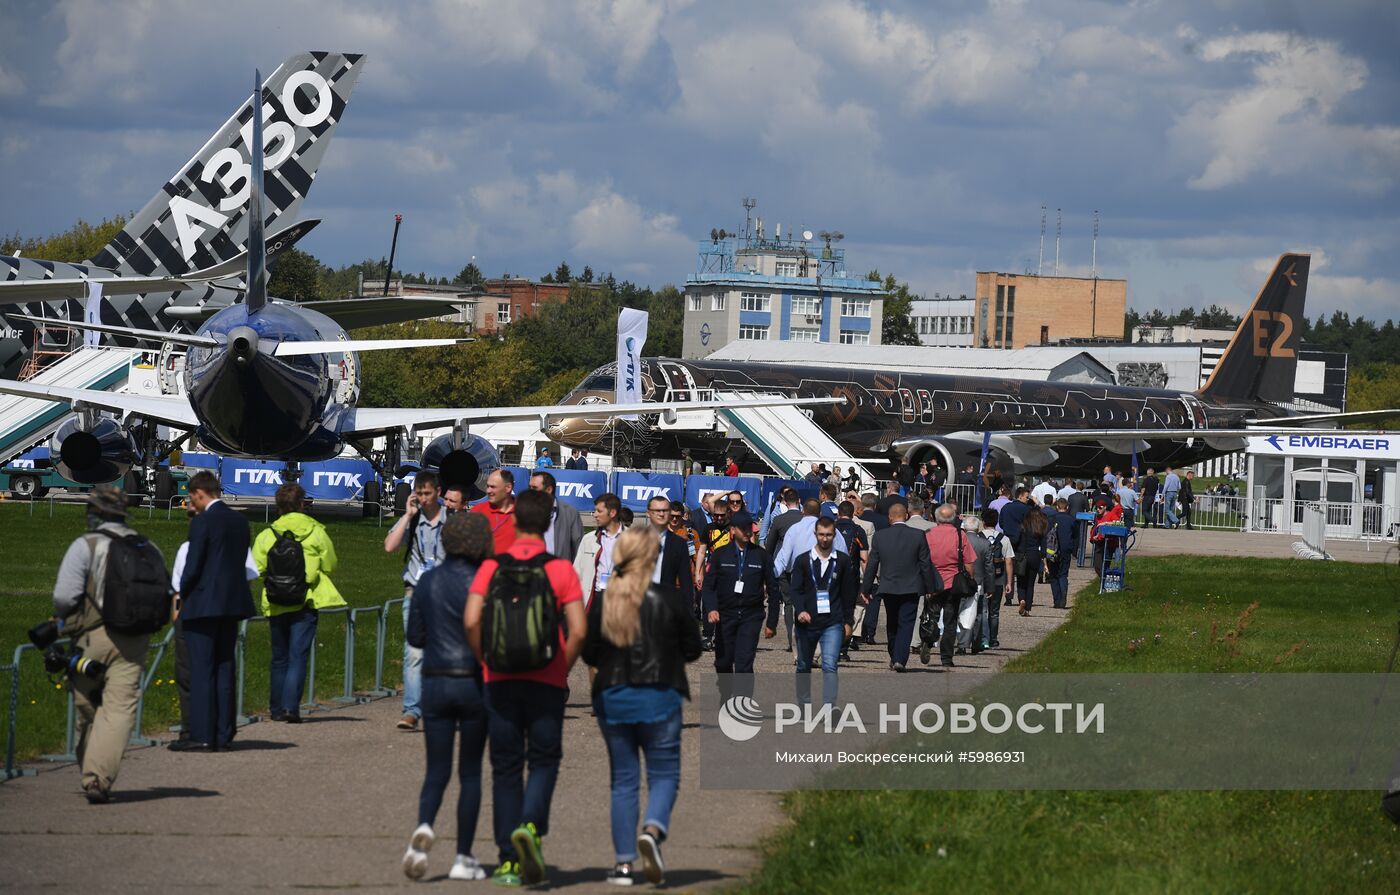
x: 330, y: 803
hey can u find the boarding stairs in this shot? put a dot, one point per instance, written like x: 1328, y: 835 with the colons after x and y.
x: 784, y: 436
x: 25, y: 422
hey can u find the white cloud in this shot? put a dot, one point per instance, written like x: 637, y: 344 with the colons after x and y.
x: 11, y: 84
x: 614, y: 227
x: 1283, y: 121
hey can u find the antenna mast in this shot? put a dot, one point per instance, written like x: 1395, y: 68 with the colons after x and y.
x: 1094, y: 255
x: 1059, y: 220
x: 1041, y: 262
x: 749, y: 205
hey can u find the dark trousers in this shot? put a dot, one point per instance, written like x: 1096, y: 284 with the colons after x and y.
x: 291, y: 634
x: 452, y: 706
x: 182, y: 678
x: 1059, y: 580
x: 901, y: 611
x: 942, y: 605
x: 526, y: 728
x: 736, y: 639
x: 789, y: 616
x: 211, y: 643
x: 994, y: 614
x: 1025, y: 588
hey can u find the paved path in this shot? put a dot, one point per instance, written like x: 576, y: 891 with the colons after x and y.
x: 330, y: 804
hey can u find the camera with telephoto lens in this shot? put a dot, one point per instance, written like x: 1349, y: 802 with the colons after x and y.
x: 58, y: 659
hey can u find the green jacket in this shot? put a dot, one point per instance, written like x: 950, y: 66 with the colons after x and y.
x: 320, y: 561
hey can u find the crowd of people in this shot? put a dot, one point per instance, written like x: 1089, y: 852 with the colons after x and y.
x: 504, y: 596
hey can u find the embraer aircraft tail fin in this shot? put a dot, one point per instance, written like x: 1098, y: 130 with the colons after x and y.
x: 199, y: 218
x: 1261, y: 361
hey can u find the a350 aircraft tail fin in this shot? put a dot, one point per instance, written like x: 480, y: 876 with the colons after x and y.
x: 199, y: 218
x: 1261, y: 361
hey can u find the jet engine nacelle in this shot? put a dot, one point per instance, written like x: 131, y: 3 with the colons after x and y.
x: 958, y: 451
x: 93, y: 455
x: 467, y: 465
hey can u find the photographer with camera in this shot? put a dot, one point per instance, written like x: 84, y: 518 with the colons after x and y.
x: 112, y: 594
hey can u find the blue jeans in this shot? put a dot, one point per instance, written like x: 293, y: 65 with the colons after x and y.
x: 660, y: 742
x: 292, y: 634
x: 526, y: 728
x: 412, y: 667
x: 808, y: 637
x: 453, y: 705
x: 1169, y: 505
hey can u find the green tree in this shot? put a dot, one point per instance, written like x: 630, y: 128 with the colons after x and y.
x: 896, y: 323
x: 469, y: 276
x: 296, y: 276
x: 562, y: 274
x: 1374, y: 386
x: 78, y: 243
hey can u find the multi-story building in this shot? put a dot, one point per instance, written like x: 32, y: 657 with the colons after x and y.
x: 757, y: 289
x: 1016, y: 310
x: 492, y: 305
x: 945, y: 321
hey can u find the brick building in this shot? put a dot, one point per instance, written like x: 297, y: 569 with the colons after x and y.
x: 492, y: 305
x: 1016, y: 310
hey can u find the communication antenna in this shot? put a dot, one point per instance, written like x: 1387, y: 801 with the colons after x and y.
x: 1041, y: 262
x: 778, y: 232
x: 749, y: 206
x: 1094, y: 253
x: 806, y: 235
x: 1059, y: 221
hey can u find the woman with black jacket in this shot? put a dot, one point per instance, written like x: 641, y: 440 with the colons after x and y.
x: 640, y: 637
x: 452, y: 695
x: 1030, y: 556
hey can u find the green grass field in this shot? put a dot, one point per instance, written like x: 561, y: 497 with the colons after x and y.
x: 1211, y: 615
x: 34, y: 545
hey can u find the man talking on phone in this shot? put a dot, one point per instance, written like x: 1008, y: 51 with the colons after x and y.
x: 419, y: 532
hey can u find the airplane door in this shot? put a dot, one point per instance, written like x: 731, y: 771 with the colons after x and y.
x: 1195, y: 412
x: 680, y: 384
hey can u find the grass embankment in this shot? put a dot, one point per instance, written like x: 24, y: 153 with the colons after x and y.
x: 1212, y: 615
x: 34, y: 545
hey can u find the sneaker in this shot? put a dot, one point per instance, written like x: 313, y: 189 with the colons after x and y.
x: 925, y: 649
x: 415, y: 860
x: 408, y: 722
x: 526, y: 840
x: 96, y: 795
x: 707, y: 644
x: 507, y: 874
x: 466, y: 867
x: 621, y: 874
x: 897, y: 667
x: 653, y: 868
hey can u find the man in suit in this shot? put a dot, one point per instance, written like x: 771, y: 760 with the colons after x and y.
x: 823, y: 591
x: 565, y: 532
x: 739, y: 580
x: 673, y: 569
x: 214, y: 598
x: 899, y: 558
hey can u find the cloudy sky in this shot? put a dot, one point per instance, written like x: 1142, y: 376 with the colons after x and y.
x: 1211, y: 136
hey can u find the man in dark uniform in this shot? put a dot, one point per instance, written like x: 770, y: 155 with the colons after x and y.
x: 739, y: 580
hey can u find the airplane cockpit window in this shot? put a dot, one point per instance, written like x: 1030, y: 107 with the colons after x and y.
x: 600, y: 382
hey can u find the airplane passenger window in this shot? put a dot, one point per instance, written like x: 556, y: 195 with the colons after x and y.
x: 960, y: 406
x: 944, y: 404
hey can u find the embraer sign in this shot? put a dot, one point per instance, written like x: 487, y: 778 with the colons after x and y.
x: 1339, y: 445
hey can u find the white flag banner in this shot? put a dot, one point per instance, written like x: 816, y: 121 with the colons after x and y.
x: 92, y: 313
x: 631, y: 338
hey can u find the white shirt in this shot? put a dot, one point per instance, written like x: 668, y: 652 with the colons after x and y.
x: 798, y: 540
x: 1065, y: 492
x: 606, y: 542
x: 1042, y: 491
x: 250, y: 568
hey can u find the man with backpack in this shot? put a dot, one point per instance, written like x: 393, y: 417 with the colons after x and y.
x: 419, y: 532
x: 295, y: 557
x: 518, y: 608
x: 111, y: 595
x: 214, y: 598
x: 1001, y: 555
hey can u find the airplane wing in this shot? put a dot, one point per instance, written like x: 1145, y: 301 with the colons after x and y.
x: 170, y: 410
x: 13, y: 292
x: 378, y: 420
x: 350, y: 313
x: 1352, y: 416
x: 149, y: 335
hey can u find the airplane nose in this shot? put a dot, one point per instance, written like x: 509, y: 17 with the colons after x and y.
x: 243, y: 344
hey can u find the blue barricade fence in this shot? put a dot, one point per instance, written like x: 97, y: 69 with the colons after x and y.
x: 635, y: 489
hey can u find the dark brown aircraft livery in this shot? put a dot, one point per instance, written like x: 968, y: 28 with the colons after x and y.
x: 1028, y: 425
